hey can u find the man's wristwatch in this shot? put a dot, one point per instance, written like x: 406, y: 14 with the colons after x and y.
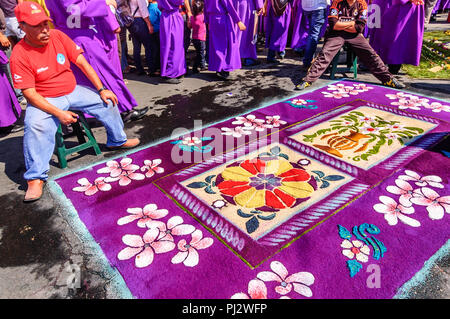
x: 102, y: 89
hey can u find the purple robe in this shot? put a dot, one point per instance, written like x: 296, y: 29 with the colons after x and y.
x: 301, y: 26
x: 224, y: 52
x: 245, y: 10
x: 277, y: 28
x: 399, y: 40
x: 9, y: 106
x: 171, y: 33
x: 92, y: 30
x: 441, y: 5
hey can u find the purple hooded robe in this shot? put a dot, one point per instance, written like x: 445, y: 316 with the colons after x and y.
x: 399, y: 40
x: 9, y: 106
x: 224, y: 52
x: 171, y: 34
x: 90, y: 24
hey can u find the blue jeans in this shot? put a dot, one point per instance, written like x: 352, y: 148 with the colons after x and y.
x: 141, y: 36
x: 200, y: 53
x: 40, y: 128
x: 316, y: 19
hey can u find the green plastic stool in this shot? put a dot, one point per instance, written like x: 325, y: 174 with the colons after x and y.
x: 60, y: 149
x: 352, y: 64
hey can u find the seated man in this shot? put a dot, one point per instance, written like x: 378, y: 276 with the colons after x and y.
x: 346, y: 23
x: 40, y: 65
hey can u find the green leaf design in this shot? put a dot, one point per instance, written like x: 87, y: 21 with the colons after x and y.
x: 209, y: 190
x: 243, y: 215
x: 325, y: 184
x: 197, y: 185
x: 252, y: 224
x: 319, y: 173
x: 270, y: 217
x: 209, y: 178
x: 333, y: 178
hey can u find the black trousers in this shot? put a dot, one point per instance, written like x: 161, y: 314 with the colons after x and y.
x: 359, y: 45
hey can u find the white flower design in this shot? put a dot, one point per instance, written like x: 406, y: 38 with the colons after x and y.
x: 368, y: 129
x: 335, y: 94
x: 356, y: 249
x: 191, y: 141
x: 298, y: 281
x: 174, y: 227
x: 256, y: 290
x: 398, y: 95
x: 437, y: 107
x: 404, y: 104
x: 299, y: 102
x: 126, y: 177
x: 144, y: 215
x: 247, y: 121
x: 115, y: 169
x: 394, y: 212
x: 238, y: 131
x: 188, y: 254
x: 431, y: 180
x: 90, y: 189
x: 404, y: 189
x: 361, y: 87
x: 436, y: 205
x: 152, y: 167
x: 274, y: 121
x: 145, y: 247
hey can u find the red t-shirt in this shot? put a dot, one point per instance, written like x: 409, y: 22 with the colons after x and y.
x: 47, y: 69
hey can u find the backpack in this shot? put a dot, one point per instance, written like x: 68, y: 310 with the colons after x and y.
x: 123, y: 13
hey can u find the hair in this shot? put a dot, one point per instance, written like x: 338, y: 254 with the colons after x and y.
x: 197, y: 7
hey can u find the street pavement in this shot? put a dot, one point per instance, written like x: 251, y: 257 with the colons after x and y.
x: 42, y: 256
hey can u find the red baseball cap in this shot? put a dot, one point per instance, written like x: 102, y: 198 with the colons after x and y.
x: 31, y: 13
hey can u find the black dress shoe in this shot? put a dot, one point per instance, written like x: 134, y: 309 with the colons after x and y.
x: 134, y: 114
x: 172, y: 80
x: 223, y: 75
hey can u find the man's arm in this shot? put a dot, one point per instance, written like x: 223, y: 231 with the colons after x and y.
x: 38, y: 101
x: 90, y: 73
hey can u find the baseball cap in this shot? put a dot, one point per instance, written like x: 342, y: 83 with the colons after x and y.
x: 31, y: 13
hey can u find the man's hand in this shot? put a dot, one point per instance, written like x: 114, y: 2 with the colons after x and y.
x: 67, y: 117
x: 4, y: 42
x: 241, y: 26
x: 112, y: 3
x: 109, y: 95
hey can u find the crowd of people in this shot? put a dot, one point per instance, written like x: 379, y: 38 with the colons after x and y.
x: 58, y: 55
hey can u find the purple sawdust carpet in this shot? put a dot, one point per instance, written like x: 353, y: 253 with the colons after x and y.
x: 341, y: 192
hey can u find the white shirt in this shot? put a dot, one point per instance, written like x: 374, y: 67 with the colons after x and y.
x: 310, y: 5
x: 143, y: 8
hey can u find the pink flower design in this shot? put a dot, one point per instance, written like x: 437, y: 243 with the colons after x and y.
x: 274, y: 121
x: 90, y: 189
x: 145, y: 247
x: 247, y: 121
x: 238, y: 131
x: 116, y: 169
x: 125, y: 177
x: 145, y: 216
x: 437, y: 107
x: 404, y: 189
x: 361, y: 87
x: 174, y: 226
x: 299, y: 102
x: 256, y: 290
x: 188, y: 254
x: 152, y: 167
x: 435, y: 204
x: 431, y: 180
x: 399, y: 95
x: 335, y: 94
x: 298, y: 281
x: 393, y: 212
x: 407, y: 104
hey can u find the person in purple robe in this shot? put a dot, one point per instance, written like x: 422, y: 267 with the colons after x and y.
x: 224, y: 25
x: 277, y: 20
x: 91, y: 25
x: 10, y: 109
x: 249, y: 11
x: 171, y: 33
x: 399, y: 39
